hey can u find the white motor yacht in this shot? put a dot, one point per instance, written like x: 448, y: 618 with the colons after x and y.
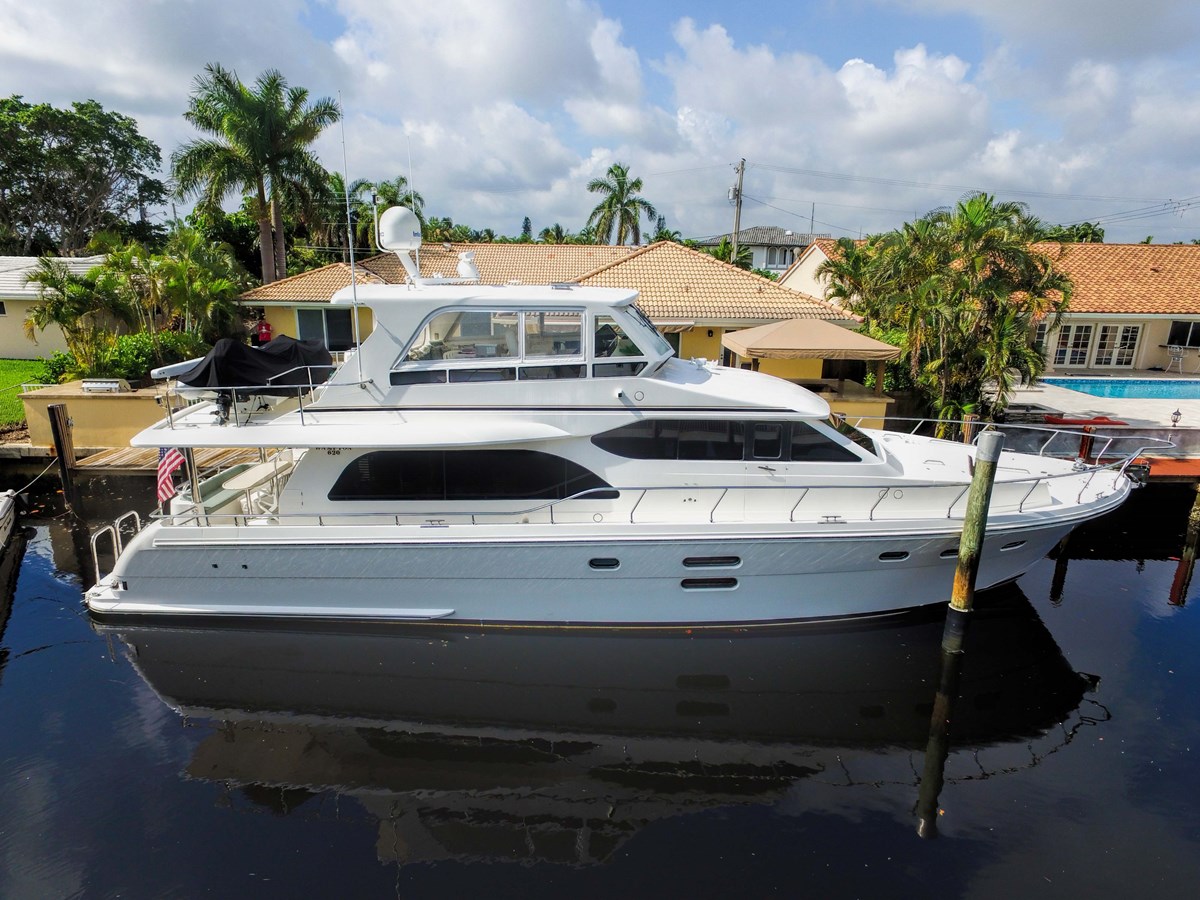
x: 537, y: 456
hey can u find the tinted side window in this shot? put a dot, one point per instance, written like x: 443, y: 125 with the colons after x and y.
x: 675, y: 439
x: 711, y: 440
x: 464, y: 475
x: 650, y: 439
x: 809, y: 445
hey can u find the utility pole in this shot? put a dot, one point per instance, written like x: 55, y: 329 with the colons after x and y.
x: 737, y: 207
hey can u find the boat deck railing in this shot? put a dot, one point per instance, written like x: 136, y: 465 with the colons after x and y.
x: 231, y: 395
x: 872, y: 502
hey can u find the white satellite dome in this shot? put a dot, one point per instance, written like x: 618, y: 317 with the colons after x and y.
x: 399, y: 230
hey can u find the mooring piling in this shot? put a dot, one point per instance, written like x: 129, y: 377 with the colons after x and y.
x: 970, y: 546
x: 64, y: 449
x: 1187, y: 557
x: 937, y: 749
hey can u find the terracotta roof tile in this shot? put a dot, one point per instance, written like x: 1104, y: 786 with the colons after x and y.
x: 1131, y: 279
x: 503, y: 263
x: 673, y: 281
x: 676, y: 282
x: 313, y: 286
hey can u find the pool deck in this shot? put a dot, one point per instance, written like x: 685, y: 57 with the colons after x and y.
x: 1134, y: 411
x: 1182, y: 463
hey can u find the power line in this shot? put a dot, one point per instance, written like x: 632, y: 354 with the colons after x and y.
x: 803, y: 216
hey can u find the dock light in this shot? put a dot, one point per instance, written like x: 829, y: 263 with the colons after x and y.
x: 1175, y: 417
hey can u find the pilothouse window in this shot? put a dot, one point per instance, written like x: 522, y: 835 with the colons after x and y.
x: 721, y: 439
x: 467, y: 334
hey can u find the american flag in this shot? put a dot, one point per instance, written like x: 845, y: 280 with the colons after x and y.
x: 168, y: 461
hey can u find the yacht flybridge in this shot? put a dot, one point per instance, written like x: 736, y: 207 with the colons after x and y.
x: 516, y: 455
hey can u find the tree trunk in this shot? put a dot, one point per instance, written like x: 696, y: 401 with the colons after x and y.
x: 266, y: 246
x: 280, y: 245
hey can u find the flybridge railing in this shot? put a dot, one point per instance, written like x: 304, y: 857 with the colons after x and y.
x: 227, y: 400
x: 868, y: 510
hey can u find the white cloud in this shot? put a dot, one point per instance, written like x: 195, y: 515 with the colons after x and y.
x: 509, y: 107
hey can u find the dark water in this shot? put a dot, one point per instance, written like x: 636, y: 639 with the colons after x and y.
x: 159, y: 763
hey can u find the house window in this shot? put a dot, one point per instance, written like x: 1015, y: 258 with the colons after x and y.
x: 1039, y: 336
x: 1073, y: 344
x: 1116, y: 344
x: 779, y: 257
x: 333, y: 327
x: 3, y: 311
x: 1184, y: 334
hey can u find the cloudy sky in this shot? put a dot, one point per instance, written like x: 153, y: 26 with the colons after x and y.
x: 855, y: 115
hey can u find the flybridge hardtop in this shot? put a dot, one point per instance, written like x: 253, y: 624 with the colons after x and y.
x: 515, y: 359
x: 537, y: 456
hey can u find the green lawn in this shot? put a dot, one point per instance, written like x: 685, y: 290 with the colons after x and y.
x: 14, y: 373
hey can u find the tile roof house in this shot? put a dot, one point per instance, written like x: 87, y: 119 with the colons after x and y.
x: 771, y: 247
x: 1130, y: 304
x: 17, y: 298
x: 681, y: 286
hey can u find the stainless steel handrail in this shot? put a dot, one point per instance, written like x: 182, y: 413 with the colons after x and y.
x: 440, y: 517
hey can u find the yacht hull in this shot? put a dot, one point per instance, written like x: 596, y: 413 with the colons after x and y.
x: 634, y: 581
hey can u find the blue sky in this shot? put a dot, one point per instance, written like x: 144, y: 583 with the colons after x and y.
x: 860, y: 114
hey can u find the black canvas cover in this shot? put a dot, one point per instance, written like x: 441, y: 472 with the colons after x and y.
x: 280, y: 362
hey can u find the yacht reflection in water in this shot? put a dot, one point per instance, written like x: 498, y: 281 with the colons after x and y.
x: 557, y: 747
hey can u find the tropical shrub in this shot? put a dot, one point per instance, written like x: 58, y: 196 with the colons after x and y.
x: 130, y: 356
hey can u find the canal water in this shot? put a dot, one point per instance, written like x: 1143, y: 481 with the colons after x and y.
x: 180, y: 763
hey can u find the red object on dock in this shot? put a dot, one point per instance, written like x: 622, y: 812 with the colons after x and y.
x: 1094, y: 420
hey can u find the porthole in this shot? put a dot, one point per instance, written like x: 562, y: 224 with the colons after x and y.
x: 951, y: 553
x: 708, y: 584
x: 893, y: 555
x: 1013, y: 545
x: 712, y: 562
x: 605, y: 562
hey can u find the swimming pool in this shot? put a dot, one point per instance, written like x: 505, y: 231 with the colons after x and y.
x: 1137, y: 388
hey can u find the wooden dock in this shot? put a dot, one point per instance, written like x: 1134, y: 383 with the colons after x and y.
x: 145, y: 459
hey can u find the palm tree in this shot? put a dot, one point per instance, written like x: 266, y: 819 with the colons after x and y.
x: 966, y: 287
x: 621, y: 208
x: 258, y: 146
x: 201, y: 281
x: 555, y: 234
x: 81, y: 305
x: 663, y: 233
x: 331, y: 228
x: 724, y: 252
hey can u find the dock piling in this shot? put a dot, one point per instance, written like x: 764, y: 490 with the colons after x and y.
x: 970, y: 546
x: 64, y: 449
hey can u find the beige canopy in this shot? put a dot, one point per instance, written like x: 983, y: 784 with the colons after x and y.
x: 806, y: 339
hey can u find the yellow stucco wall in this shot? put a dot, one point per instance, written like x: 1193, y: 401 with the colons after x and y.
x: 14, y: 344
x: 793, y: 369
x: 283, y: 320
x: 697, y: 344
x: 97, y: 420
x: 870, y: 410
